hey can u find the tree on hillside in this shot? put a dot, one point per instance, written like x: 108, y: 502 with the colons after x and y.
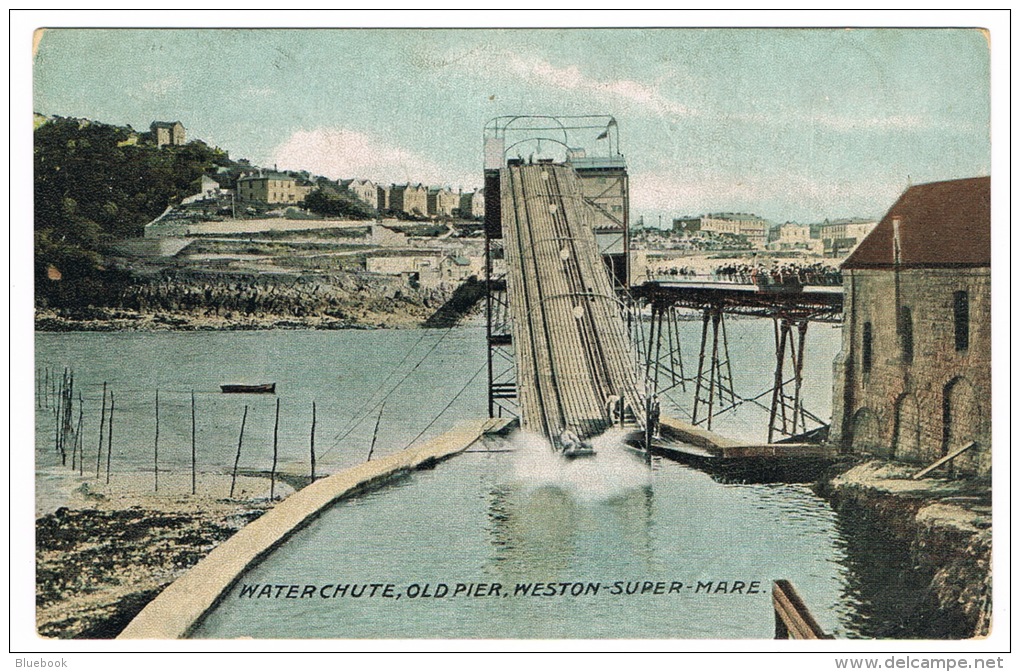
x: 332, y: 202
x: 92, y: 184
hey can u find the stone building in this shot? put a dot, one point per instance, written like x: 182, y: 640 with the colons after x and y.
x: 441, y: 202
x: 752, y: 227
x: 271, y: 187
x: 364, y: 190
x: 167, y: 133
x: 409, y: 198
x: 912, y: 380
x: 472, y: 204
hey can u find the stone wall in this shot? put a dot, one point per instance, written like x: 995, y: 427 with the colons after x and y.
x: 915, y: 409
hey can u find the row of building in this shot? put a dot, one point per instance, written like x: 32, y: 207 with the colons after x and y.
x: 840, y: 235
x: 276, y: 188
x: 281, y: 188
x: 417, y: 199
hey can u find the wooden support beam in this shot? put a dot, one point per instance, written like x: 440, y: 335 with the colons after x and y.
x: 793, y: 619
x: 943, y: 460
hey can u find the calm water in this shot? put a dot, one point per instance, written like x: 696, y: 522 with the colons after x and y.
x: 346, y: 373
x: 496, y: 518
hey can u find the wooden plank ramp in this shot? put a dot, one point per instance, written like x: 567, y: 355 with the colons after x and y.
x: 177, y: 611
x: 572, y: 349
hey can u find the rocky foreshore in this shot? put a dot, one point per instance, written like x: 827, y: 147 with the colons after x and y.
x: 196, y: 302
x: 947, y: 526
x: 106, y: 554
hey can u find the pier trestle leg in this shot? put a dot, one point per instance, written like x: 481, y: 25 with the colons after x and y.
x: 786, y: 412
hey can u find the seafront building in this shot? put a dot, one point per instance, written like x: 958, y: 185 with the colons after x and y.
x: 752, y: 227
x: 912, y: 381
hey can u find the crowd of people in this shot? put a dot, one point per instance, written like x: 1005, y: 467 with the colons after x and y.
x: 788, y: 273
x: 759, y: 273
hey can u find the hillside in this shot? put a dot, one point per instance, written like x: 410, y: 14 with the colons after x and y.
x: 96, y: 183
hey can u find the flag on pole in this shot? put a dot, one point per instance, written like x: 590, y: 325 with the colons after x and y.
x: 605, y: 134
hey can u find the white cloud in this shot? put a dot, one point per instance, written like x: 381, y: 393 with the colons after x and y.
x: 534, y: 70
x: 537, y: 71
x: 687, y: 194
x: 341, y: 153
x: 161, y: 87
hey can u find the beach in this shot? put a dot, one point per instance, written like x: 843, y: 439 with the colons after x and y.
x: 104, y: 551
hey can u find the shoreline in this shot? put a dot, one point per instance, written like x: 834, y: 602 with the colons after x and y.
x: 945, y: 525
x: 51, y: 321
x: 109, y: 550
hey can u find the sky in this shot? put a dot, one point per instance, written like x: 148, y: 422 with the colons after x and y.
x: 790, y: 124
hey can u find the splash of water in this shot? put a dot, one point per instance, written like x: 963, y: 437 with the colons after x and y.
x: 610, y: 473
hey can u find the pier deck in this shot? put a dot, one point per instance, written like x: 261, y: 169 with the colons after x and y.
x: 737, y: 461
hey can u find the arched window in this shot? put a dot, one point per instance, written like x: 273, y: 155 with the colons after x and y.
x: 907, y: 334
x: 866, y: 348
x: 961, y: 320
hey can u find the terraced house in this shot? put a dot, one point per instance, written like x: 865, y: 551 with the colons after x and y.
x: 364, y: 190
x: 442, y: 202
x: 409, y: 198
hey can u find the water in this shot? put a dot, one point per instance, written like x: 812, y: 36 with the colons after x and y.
x: 347, y: 373
x: 752, y: 357
x: 488, y: 519
x: 492, y: 518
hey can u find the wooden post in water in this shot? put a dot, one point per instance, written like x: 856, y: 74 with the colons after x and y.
x: 58, y: 410
x: 313, y: 442
x: 102, y: 424
x: 109, y: 440
x: 276, y: 434
x: 67, y: 403
x: 74, y: 441
x: 793, y: 620
x: 237, y: 458
x: 155, y: 448
x: 81, y: 438
x: 375, y: 433
x: 193, y: 464
x: 46, y: 389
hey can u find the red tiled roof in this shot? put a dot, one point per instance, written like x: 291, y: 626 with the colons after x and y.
x: 941, y: 224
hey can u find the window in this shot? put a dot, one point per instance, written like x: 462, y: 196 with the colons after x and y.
x: 907, y: 334
x: 961, y: 320
x: 866, y: 339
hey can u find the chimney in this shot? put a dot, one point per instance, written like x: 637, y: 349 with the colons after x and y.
x: 896, y: 221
